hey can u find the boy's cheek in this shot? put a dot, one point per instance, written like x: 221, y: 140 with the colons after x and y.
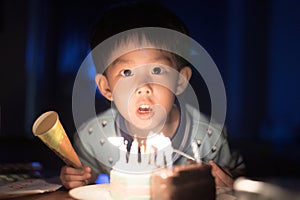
x: 122, y: 100
x: 122, y: 90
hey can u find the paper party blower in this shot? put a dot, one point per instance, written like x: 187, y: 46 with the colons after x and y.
x: 50, y: 130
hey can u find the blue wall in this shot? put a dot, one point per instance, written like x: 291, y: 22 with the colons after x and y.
x: 255, y: 45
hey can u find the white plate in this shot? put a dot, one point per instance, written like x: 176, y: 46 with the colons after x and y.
x: 91, y: 192
x: 101, y: 192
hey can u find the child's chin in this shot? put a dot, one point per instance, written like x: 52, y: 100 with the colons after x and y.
x: 144, y: 126
x: 148, y: 126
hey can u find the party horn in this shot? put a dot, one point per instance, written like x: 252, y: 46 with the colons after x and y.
x: 50, y: 130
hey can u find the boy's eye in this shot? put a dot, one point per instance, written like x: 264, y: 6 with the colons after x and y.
x: 126, y: 72
x: 157, y: 70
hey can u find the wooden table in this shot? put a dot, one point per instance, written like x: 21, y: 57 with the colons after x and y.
x: 57, y: 195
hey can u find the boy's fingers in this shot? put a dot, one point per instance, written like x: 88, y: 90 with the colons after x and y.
x: 74, y: 184
x: 72, y: 177
x: 87, y: 169
x: 74, y: 171
x: 76, y: 178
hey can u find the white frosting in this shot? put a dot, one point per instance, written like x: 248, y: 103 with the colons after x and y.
x: 155, y: 152
x: 130, y: 178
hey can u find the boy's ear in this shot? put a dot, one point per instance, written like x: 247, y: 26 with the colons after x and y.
x: 183, y: 79
x: 103, y: 86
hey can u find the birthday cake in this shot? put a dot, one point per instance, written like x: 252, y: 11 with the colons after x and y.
x: 130, y: 178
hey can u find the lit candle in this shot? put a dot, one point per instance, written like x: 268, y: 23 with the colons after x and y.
x: 142, y: 147
x: 150, y: 151
x: 168, y: 156
x: 123, y: 152
x: 196, y: 152
x: 133, y: 157
x: 143, y: 154
x: 164, y: 149
x: 160, y: 143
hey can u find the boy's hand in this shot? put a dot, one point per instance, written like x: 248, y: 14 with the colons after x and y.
x: 222, y: 176
x: 72, y: 177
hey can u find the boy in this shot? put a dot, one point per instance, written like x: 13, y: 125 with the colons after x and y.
x: 143, y: 79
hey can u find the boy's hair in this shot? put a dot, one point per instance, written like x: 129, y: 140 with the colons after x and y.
x: 133, y: 15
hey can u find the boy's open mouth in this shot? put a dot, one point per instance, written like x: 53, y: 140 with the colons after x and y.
x: 143, y: 109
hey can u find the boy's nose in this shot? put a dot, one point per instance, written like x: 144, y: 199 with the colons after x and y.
x: 144, y: 90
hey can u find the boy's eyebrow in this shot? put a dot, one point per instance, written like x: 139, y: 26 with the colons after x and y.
x: 155, y: 59
x: 120, y: 61
x: 163, y: 58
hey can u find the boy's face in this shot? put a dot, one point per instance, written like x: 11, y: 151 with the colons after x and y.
x: 143, y: 84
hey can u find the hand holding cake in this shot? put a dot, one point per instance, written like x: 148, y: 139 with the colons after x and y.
x: 191, y: 181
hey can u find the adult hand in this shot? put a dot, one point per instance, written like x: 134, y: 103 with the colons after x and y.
x: 184, y: 182
x: 223, y: 177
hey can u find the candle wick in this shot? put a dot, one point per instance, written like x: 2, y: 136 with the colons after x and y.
x: 165, y: 159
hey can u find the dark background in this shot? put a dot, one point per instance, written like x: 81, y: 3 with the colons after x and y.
x: 255, y: 44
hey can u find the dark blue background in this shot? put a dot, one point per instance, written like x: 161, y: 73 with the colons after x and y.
x: 255, y: 44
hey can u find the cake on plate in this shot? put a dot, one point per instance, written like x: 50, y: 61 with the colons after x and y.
x: 130, y: 178
x: 148, y: 173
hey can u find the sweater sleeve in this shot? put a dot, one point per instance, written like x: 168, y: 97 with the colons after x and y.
x: 229, y: 158
x: 87, y: 158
